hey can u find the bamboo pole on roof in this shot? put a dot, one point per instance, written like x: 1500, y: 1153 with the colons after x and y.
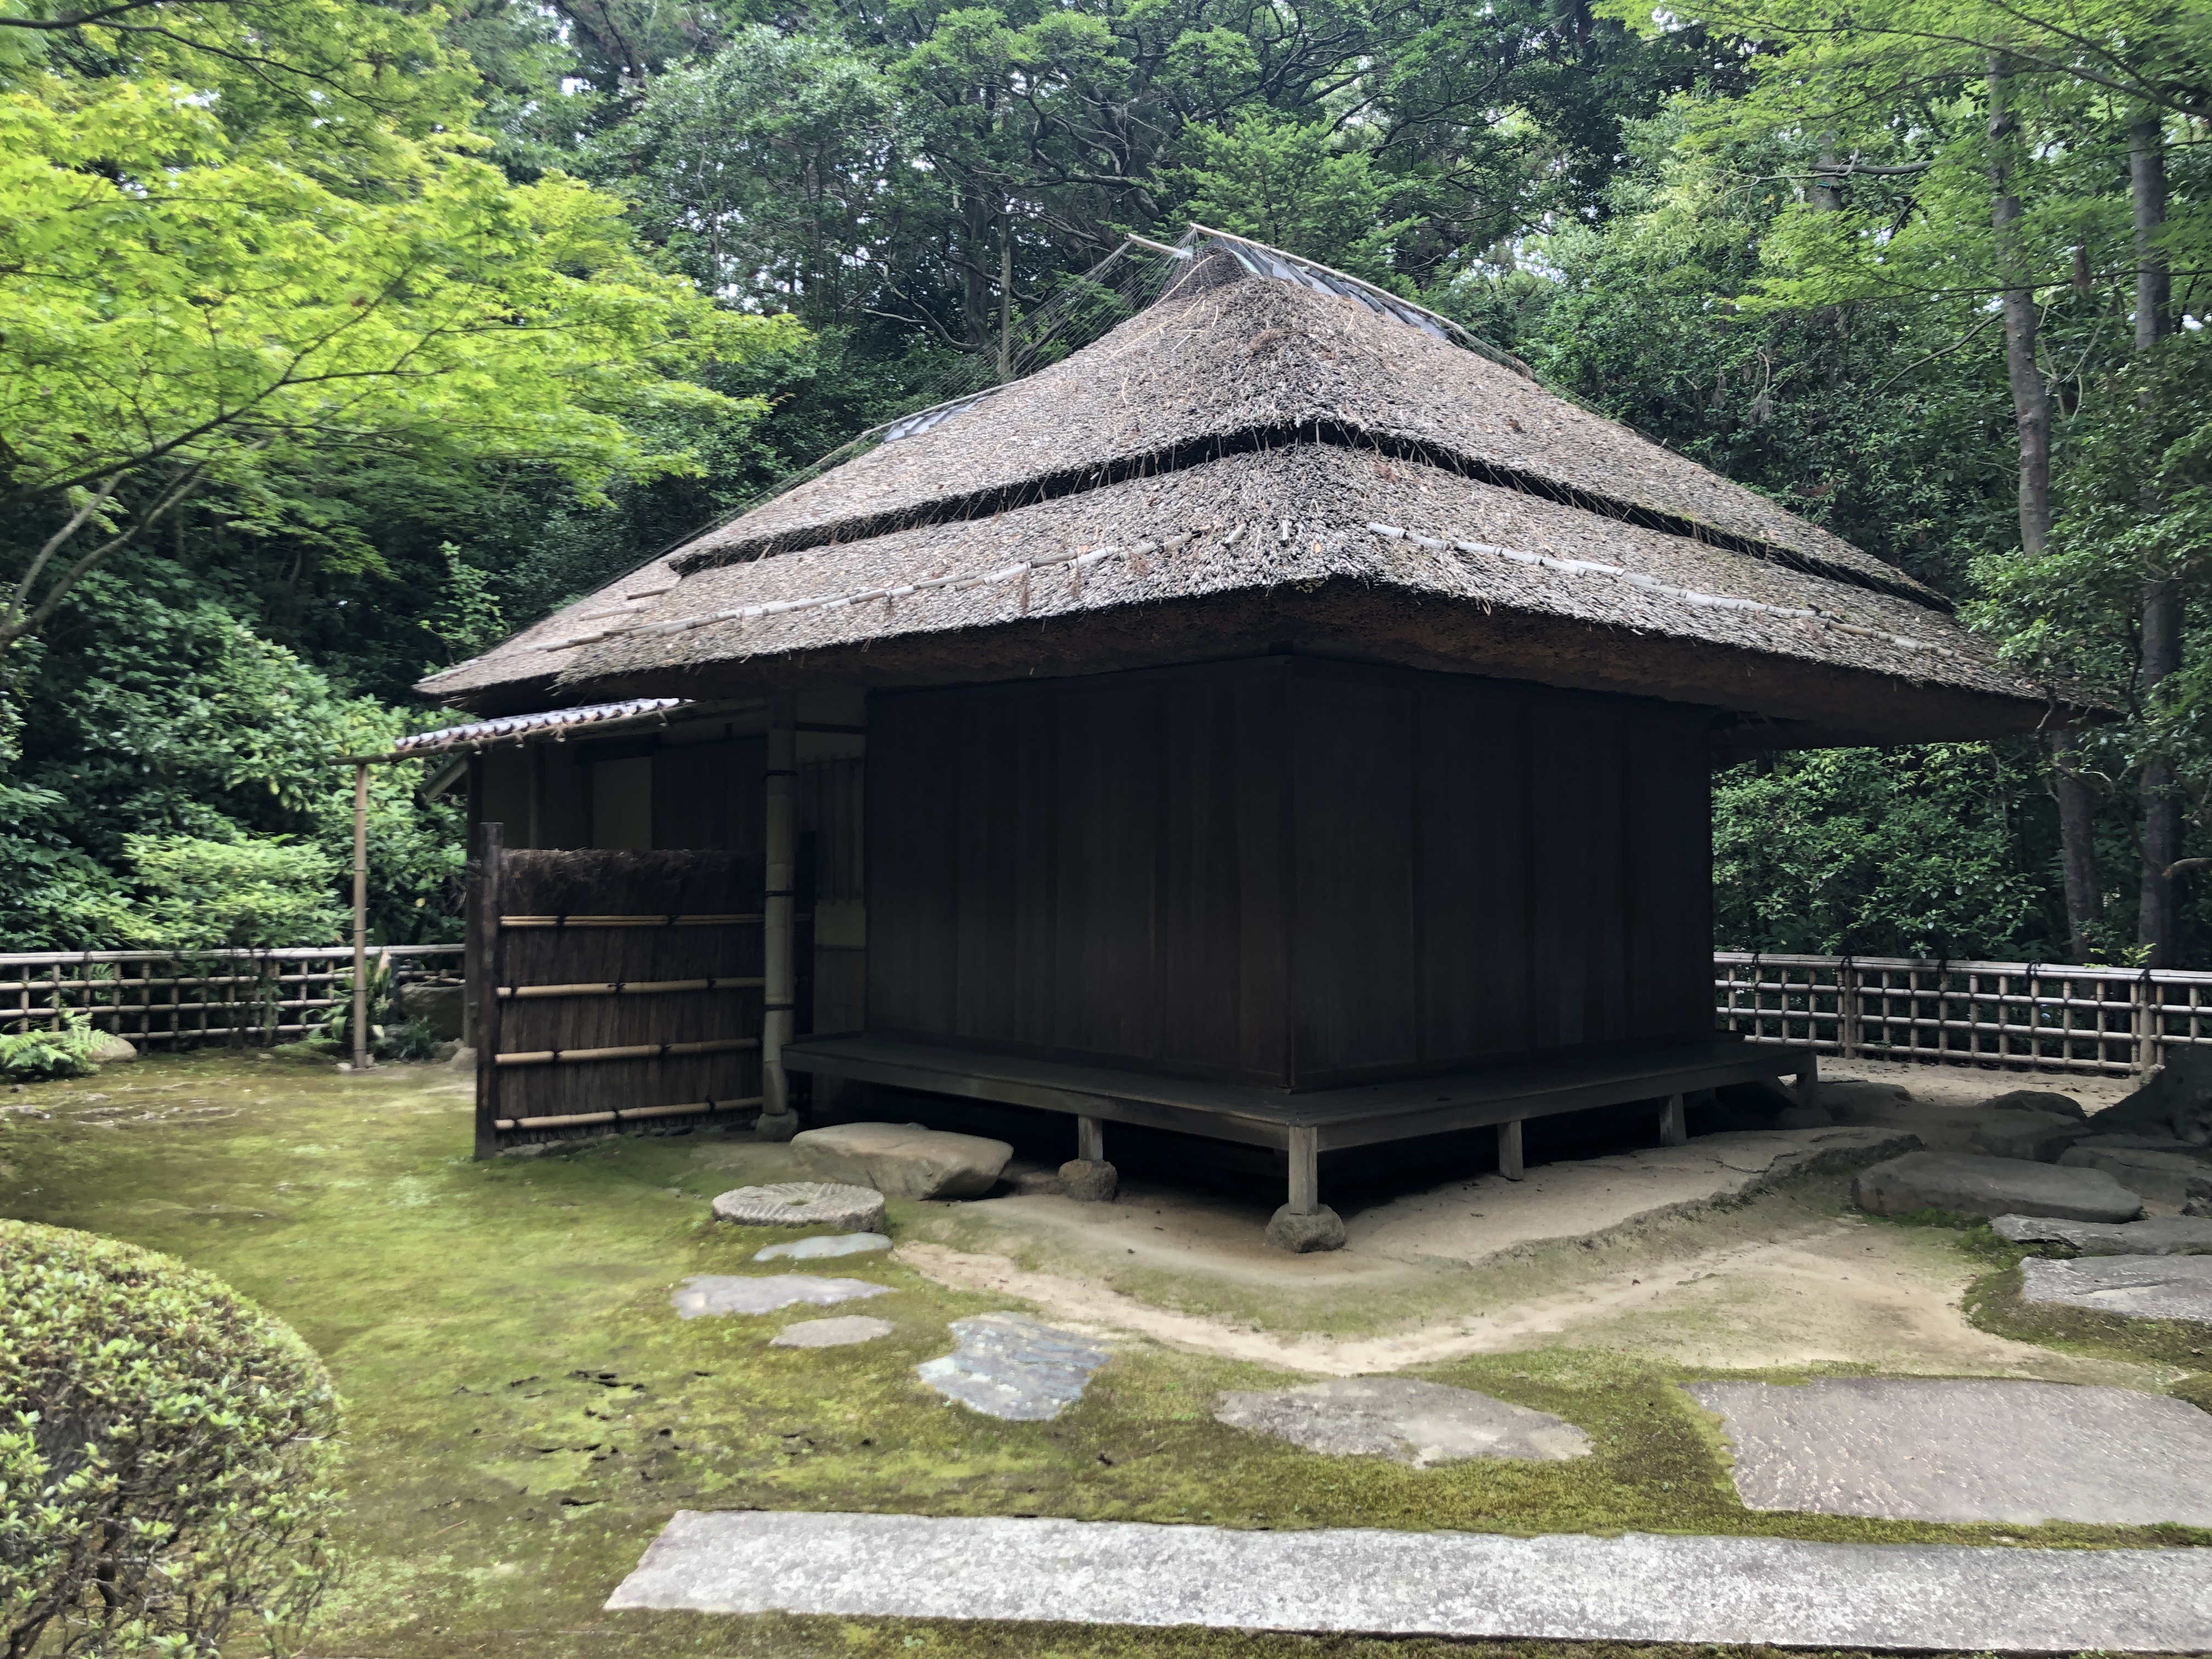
x: 361, y: 916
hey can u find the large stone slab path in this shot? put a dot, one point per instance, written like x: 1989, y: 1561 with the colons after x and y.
x: 1571, y: 1587
x: 1936, y: 1448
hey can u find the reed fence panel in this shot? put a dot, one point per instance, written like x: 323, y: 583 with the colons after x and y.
x: 153, y: 998
x: 2028, y: 1015
x: 627, y: 986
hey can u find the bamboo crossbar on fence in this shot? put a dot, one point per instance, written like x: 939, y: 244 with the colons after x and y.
x: 628, y: 1051
x: 617, y: 988
x: 628, y: 1114
x: 630, y: 921
x: 210, y: 994
x: 2041, y: 1016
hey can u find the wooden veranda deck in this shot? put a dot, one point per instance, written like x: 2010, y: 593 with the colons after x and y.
x: 1304, y: 1124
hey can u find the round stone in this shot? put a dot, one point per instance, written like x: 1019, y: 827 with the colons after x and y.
x: 804, y: 1204
x: 1089, y: 1180
x: 1304, y: 1230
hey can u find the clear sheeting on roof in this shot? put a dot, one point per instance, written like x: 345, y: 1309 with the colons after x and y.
x: 518, y: 727
x: 1262, y: 260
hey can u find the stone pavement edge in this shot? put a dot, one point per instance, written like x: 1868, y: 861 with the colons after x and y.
x: 1639, y: 1588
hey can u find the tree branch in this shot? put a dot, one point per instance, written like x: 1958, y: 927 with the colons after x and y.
x: 16, y: 626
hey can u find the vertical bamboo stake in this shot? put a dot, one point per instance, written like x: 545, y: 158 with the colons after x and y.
x: 777, y: 1120
x: 484, y: 965
x: 361, y: 916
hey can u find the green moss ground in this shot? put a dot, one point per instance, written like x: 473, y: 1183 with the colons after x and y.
x: 526, y: 1411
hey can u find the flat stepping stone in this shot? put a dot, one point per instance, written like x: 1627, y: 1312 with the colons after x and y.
x: 840, y: 1333
x: 1403, y: 1419
x: 1012, y: 1366
x: 1971, y: 1185
x: 1367, y: 1580
x: 2036, y: 1100
x: 1937, y: 1449
x: 903, y: 1160
x: 2161, y: 1175
x: 725, y: 1293
x: 813, y: 1249
x: 804, y: 1204
x: 2146, y: 1287
x: 2038, y: 1136
x: 2160, y: 1235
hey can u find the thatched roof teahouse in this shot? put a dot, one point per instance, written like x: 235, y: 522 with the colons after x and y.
x: 1279, y: 722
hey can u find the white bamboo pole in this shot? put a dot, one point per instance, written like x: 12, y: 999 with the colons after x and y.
x: 777, y: 1120
x: 361, y: 916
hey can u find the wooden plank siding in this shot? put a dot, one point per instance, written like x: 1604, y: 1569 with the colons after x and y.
x: 697, y: 796
x: 1285, y: 871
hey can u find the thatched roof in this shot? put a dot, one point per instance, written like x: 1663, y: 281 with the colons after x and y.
x: 1250, y: 465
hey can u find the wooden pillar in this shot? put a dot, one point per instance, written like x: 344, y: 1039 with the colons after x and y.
x: 1305, y: 1170
x: 360, y: 916
x: 538, y: 837
x: 485, y: 971
x: 779, y: 986
x: 1808, y: 1080
x: 1509, y: 1150
x: 1673, y: 1130
x: 1091, y: 1140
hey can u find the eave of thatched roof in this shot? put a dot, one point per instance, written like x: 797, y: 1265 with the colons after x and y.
x: 1322, y: 549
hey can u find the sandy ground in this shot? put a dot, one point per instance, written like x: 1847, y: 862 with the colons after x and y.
x: 1737, y: 1251
x: 1471, y: 1220
x: 1842, y: 1292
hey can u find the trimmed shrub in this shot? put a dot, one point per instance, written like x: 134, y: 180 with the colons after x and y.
x: 165, y: 1455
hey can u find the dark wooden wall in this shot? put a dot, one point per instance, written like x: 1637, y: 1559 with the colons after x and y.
x: 1286, y: 870
x: 706, y: 797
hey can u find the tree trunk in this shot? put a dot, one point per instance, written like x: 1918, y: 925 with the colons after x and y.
x: 2031, y: 401
x: 2031, y: 406
x: 2161, y: 595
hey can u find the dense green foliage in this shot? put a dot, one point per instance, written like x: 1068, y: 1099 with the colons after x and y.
x: 36, y: 1056
x: 165, y: 1449
x: 596, y: 271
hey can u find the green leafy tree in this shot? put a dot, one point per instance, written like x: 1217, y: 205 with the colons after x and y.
x: 263, y: 893
x: 191, y: 301
x: 1301, y: 186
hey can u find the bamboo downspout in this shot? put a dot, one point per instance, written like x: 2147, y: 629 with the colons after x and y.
x: 777, y: 1120
x: 361, y: 916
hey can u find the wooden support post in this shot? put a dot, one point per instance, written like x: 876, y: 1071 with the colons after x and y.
x: 485, y: 961
x: 361, y: 916
x: 1808, y: 1080
x: 1849, y: 1037
x: 1674, y: 1129
x: 2150, y: 1025
x: 779, y: 995
x: 1091, y: 1140
x: 1305, y: 1170
x: 1509, y: 1150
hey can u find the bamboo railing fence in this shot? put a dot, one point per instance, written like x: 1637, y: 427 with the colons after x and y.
x: 155, y: 998
x: 2031, y: 1015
